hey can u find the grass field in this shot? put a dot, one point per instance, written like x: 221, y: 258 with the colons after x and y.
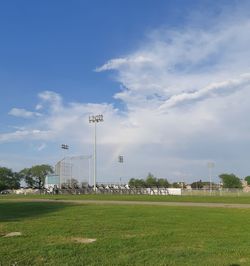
x: 198, y: 198
x: 125, y: 235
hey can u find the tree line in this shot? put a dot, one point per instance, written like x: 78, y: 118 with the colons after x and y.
x: 34, y: 177
x: 152, y: 181
x: 227, y: 181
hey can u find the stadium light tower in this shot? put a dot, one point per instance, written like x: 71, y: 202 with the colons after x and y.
x: 95, y: 119
x: 64, y: 147
x: 120, y: 160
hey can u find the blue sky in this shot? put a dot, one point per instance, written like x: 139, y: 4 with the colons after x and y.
x: 56, y: 45
x: 63, y: 60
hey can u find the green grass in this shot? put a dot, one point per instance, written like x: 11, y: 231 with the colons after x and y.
x: 199, y: 198
x: 126, y: 235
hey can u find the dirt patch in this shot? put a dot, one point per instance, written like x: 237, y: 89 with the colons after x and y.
x: 83, y: 240
x: 12, y: 234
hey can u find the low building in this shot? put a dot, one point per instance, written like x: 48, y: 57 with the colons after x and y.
x: 52, y: 181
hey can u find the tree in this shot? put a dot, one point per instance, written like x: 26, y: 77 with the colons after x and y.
x: 9, y: 179
x: 161, y: 182
x: 27, y: 177
x: 140, y: 183
x: 230, y: 181
x: 35, y: 176
x: 150, y: 181
x: 205, y: 185
x: 133, y: 182
x: 177, y: 185
x: 247, y: 178
x: 197, y: 184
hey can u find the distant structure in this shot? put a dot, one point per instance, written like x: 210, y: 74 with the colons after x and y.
x: 52, y: 181
x: 74, y: 171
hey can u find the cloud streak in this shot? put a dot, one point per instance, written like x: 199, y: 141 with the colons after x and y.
x: 20, y: 112
x: 25, y: 134
x: 213, y: 90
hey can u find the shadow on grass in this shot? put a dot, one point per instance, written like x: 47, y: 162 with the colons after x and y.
x: 15, y: 211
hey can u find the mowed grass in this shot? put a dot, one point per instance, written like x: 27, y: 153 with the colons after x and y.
x: 125, y: 235
x: 243, y: 199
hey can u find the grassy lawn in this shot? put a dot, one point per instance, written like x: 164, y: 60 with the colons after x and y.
x: 213, y: 199
x: 125, y: 235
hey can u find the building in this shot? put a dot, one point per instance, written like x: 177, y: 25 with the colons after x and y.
x: 52, y: 181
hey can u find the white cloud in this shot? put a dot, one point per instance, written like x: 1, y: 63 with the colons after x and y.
x: 39, y: 107
x: 120, y: 62
x: 112, y: 64
x: 20, y: 112
x: 181, y: 62
x: 213, y: 90
x: 52, y: 98
x: 25, y: 134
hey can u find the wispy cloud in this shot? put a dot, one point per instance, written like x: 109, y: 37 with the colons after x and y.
x: 120, y: 62
x: 25, y: 134
x: 20, y: 112
x: 52, y: 98
x: 213, y: 90
x: 186, y: 63
x: 39, y: 107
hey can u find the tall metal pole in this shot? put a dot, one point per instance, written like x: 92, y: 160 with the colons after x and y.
x: 64, y: 147
x: 95, y: 119
x: 70, y: 165
x: 95, y: 170
x: 210, y: 166
x: 89, y: 169
x: 120, y: 160
x: 210, y: 179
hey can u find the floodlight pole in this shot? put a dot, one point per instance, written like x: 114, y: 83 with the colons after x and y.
x: 210, y: 165
x: 70, y: 169
x: 95, y: 160
x: 64, y: 147
x: 95, y: 119
x: 120, y: 160
x: 89, y: 168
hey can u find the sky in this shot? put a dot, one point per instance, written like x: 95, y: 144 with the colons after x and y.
x: 171, y: 78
